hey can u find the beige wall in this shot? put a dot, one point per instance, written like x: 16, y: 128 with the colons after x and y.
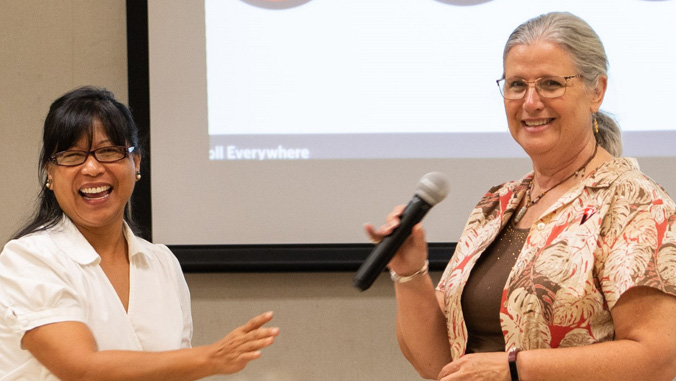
x: 46, y: 49
x: 330, y: 331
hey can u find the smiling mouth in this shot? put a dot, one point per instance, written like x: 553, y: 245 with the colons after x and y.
x: 96, y: 192
x: 537, y: 123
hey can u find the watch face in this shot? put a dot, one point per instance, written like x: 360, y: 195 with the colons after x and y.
x: 276, y: 4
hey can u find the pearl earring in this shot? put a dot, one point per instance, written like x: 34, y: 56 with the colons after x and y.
x: 48, y: 184
x: 138, y: 175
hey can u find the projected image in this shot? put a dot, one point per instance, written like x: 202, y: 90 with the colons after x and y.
x: 295, y: 125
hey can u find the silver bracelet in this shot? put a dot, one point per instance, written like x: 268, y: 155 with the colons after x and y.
x: 396, y: 278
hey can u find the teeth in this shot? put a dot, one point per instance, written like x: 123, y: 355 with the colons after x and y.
x: 535, y: 123
x: 95, y: 190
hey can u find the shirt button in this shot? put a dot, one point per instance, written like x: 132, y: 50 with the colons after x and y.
x: 541, y: 225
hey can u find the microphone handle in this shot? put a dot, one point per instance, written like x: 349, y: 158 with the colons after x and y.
x: 381, y: 255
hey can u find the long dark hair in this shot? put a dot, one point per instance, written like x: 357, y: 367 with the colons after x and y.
x: 71, y: 117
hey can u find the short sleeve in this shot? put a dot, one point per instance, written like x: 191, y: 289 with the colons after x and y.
x: 638, y: 241
x: 35, y: 289
x: 184, y: 296
x: 171, y: 268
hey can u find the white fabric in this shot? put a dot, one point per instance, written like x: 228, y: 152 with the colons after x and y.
x: 54, y: 276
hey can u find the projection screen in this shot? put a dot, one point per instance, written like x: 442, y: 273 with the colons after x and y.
x: 295, y: 122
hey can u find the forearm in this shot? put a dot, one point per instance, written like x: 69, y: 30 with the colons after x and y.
x: 614, y: 360
x: 69, y: 350
x: 182, y: 364
x: 421, y: 326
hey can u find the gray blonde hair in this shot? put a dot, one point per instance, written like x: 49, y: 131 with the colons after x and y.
x: 586, y: 49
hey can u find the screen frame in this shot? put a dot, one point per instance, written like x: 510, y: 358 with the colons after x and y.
x: 226, y: 258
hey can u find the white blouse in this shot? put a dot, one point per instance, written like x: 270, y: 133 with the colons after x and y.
x: 54, y: 276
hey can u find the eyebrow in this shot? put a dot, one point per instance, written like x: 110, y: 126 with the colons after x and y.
x: 91, y: 144
x: 104, y: 141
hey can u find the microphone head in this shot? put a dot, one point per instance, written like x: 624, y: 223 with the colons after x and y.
x: 433, y: 187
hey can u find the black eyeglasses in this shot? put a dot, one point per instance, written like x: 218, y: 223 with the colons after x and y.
x: 547, y: 87
x: 71, y: 158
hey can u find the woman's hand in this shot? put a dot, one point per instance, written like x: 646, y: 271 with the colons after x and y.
x: 477, y: 366
x: 233, y: 352
x: 413, y: 252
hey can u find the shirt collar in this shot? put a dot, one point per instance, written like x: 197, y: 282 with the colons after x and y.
x: 72, y: 243
x: 601, y: 177
x: 609, y: 171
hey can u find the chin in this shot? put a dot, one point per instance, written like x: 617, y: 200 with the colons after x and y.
x: 537, y: 147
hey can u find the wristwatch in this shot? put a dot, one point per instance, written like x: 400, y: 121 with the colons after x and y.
x: 511, y: 358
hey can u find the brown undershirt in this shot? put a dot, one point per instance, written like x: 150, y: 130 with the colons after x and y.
x: 483, y: 292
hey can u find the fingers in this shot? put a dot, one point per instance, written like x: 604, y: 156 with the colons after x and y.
x: 418, y: 232
x: 392, y: 222
x: 244, y: 344
x: 257, y: 342
x: 257, y: 321
x: 254, y: 332
x: 396, y: 212
x: 374, y: 236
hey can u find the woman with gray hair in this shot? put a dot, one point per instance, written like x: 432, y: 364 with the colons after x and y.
x: 580, y: 251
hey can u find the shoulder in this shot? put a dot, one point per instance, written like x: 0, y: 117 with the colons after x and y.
x: 628, y: 184
x: 38, y: 245
x: 156, y: 253
x: 155, y: 250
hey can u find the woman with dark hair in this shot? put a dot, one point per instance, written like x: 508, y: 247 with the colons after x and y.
x: 81, y: 296
x: 70, y: 117
x: 580, y: 251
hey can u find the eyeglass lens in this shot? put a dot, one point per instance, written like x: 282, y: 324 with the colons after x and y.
x: 547, y: 87
x: 103, y: 155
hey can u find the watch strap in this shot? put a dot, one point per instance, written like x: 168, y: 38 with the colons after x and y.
x: 511, y: 358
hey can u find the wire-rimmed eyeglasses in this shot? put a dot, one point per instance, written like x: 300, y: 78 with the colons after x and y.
x: 71, y: 158
x: 551, y: 86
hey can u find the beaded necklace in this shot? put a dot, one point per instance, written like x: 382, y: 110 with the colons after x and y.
x: 529, y: 202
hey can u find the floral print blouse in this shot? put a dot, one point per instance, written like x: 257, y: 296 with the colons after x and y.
x: 613, y: 231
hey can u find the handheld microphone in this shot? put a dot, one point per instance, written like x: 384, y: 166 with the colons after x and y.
x: 432, y: 188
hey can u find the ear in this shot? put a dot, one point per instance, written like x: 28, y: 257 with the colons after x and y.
x: 49, y: 169
x: 137, y: 161
x: 598, y: 93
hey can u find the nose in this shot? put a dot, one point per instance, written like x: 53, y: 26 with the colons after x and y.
x: 532, y: 100
x: 91, y: 166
